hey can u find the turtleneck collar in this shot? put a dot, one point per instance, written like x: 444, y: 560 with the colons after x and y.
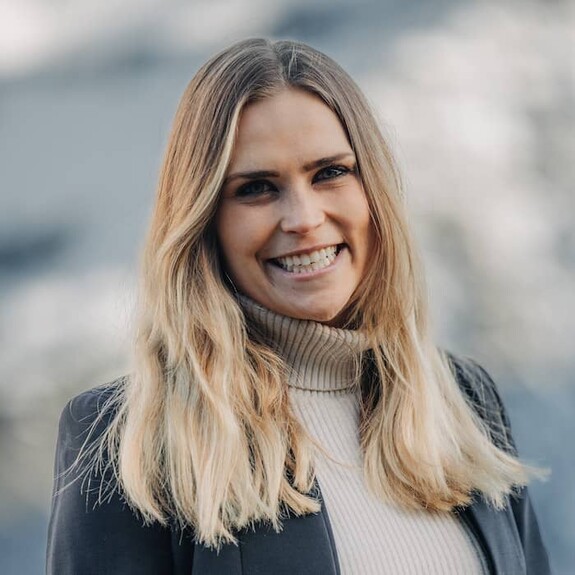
x: 321, y: 358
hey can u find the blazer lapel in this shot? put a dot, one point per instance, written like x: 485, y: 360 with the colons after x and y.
x: 304, y: 546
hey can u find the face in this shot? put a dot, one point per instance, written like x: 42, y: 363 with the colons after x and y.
x: 293, y: 222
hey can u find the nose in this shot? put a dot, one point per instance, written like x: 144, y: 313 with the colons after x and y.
x: 302, y: 211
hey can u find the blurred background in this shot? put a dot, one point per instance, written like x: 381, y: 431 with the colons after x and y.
x: 478, y: 101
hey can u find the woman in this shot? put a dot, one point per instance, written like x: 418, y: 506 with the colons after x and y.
x: 287, y: 411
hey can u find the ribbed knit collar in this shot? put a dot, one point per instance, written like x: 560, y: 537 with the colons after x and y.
x: 321, y: 358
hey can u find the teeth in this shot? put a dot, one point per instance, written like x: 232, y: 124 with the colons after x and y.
x: 312, y: 262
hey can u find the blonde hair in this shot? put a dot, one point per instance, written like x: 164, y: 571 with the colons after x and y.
x: 202, y: 430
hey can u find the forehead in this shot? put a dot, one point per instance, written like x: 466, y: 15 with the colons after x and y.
x: 290, y: 123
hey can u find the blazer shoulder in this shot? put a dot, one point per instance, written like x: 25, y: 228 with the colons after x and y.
x: 92, y: 528
x: 482, y: 394
x: 86, y: 416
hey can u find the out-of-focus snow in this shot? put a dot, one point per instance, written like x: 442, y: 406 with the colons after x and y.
x: 40, y: 320
x: 40, y: 33
x: 483, y: 107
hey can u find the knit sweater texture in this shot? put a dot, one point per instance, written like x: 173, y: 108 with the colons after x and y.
x: 371, y: 536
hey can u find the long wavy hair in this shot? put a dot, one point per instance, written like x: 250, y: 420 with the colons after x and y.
x: 202, y: 431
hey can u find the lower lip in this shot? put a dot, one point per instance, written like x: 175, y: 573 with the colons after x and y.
x: 303, y: 276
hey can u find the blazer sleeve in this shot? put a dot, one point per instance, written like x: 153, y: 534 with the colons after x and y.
x: 483, y: 395
x: 536, y: 558
x: 85, y: 535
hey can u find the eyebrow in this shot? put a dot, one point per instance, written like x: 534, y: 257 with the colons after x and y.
x: 257, y: 174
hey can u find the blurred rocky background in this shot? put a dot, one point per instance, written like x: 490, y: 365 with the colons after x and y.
x: 478, y: 100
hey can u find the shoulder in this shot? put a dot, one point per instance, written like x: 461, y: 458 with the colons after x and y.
x: 92, y: 527
x: 482, y: 395
x: 474, y: 381
x: 80, y: 445
x: 86, y: 416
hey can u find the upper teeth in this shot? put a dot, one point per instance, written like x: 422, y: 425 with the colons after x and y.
x: 309, y: 262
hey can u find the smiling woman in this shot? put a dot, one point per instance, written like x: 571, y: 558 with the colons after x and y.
x: 287, y: 411
x: 293, y: 223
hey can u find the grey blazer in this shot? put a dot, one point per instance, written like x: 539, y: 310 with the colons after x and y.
x: 90, y: 538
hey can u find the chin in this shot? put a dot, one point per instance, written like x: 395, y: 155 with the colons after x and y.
x: 328, y: 316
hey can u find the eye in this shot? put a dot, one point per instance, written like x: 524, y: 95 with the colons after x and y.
x: 331, y: 172
x: 255, y: 189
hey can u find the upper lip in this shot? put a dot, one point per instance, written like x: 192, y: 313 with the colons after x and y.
x: 302, y: 251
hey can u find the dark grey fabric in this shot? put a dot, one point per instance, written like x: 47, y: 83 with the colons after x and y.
x: 93, y: 532
x: 511, y: 536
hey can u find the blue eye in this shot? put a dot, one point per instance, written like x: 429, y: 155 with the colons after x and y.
x: 254, y: 189
x: 331, y: 172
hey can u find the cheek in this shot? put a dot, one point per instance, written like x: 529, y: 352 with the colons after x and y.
x: 366, y: 241
x: 238, y: 238
x: 226, y: 235
x: 361, y: 224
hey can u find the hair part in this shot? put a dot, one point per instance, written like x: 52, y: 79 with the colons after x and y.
x: 203, y: 430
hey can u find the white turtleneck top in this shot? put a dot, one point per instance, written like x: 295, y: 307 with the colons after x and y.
x: 371, y: 536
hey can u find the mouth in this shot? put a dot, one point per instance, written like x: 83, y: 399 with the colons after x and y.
x: 309, y: 262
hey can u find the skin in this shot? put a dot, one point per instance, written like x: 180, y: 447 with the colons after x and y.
x: 291, y: 187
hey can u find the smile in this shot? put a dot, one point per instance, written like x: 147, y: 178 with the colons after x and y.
x: 310, y: 262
